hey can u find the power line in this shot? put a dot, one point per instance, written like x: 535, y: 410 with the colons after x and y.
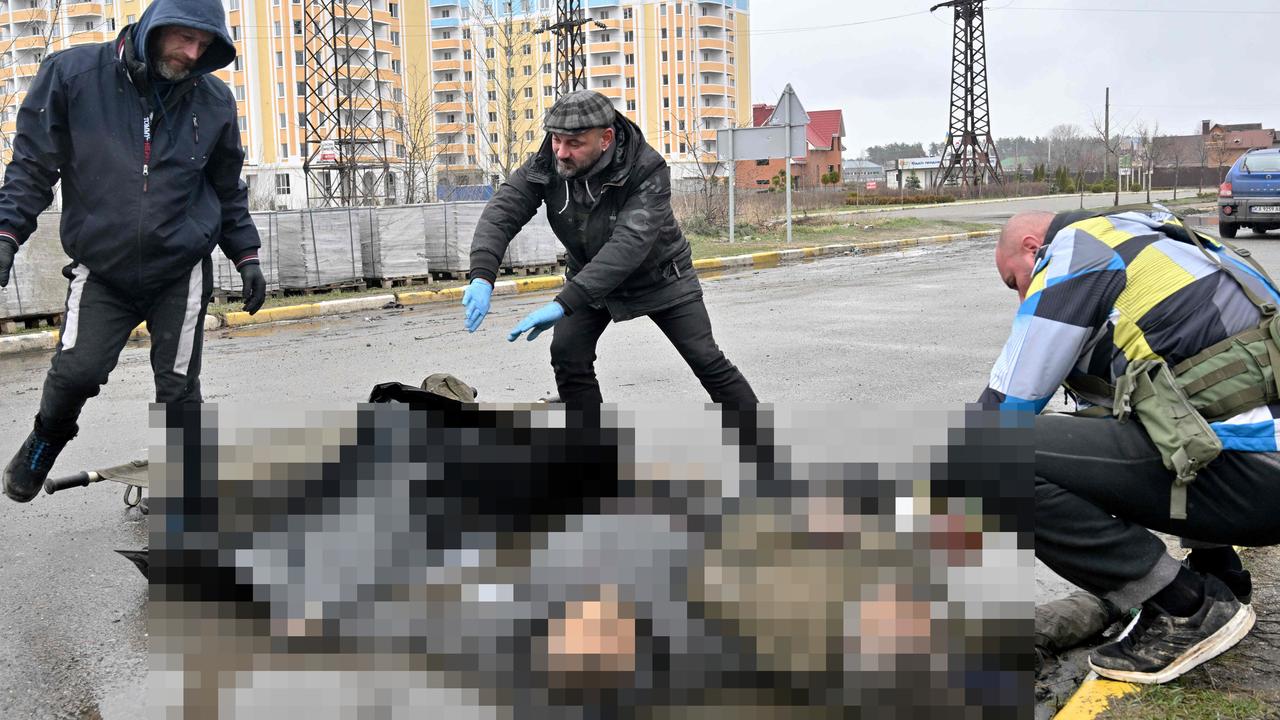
x: 1145, y: 11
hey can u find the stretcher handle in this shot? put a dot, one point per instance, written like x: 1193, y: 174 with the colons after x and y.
x: 80, y: 479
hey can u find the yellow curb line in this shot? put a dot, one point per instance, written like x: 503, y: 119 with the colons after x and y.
x: 1093, y: 697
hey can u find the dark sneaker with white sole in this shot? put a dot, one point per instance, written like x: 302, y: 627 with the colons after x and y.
x: 1239, y: 582
x: 1161, y: 647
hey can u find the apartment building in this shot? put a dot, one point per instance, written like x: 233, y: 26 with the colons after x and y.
x: 454, y: 90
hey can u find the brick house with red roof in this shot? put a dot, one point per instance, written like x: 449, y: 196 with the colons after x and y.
x: 824, y: 152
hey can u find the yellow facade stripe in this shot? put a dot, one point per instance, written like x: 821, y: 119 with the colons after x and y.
x: 1093, y: 697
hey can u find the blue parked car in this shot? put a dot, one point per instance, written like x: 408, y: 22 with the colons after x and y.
x: 1251, y: 194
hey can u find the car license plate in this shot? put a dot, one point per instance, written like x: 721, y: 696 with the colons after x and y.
x: 1265, y: 208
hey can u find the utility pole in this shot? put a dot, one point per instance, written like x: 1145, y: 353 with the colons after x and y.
x: 970, y: 155
x: 571, y: 64
x: 1106, y: 138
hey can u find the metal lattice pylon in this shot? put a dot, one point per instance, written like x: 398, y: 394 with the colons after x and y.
x: 969, y: 156
x: 571, y: 43
x: 346, y: 151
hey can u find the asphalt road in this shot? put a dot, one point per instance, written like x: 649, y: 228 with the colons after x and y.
x: 1000, y: 211
x: 906, y: 329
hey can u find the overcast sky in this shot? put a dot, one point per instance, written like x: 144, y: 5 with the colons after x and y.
x: 1175, y: 62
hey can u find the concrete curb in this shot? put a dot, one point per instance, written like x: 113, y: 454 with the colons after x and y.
x: 1093, y: 697
x: 707, y: 266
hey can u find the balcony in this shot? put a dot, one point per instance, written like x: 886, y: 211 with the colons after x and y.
x: 714, y: 89
x: 449, y: 128
x: 31, y: 15
x: 81, y: 9
x: 713, y: 21
x: 713, y: 44
x: 30, y: 42
x: 453, y: 107
x: 449, y: 22
x: 723, y: 111
x: 597, y: 48
x: 613, y: 93
x: 352, y: 12
x: 26, y: 69
x: 454, y: 86
x: 439, y: 65
x: 604, y: 71
x: 446, y: 44
x: 714, y: 67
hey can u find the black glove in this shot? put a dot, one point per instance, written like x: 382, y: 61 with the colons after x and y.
x: 255, y: 287
x: 7, y: 249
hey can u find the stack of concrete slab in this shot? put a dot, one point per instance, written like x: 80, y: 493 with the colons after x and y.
x: 325, y: 250
x: 398, y: 246
x: 226, y: 278
x: 36, y: 284
x: 535, y: 246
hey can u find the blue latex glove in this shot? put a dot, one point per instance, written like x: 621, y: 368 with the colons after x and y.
x: 476, y: 301
x: 538, y: 320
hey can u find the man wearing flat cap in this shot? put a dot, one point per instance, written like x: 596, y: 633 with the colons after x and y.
x: 608, y: 199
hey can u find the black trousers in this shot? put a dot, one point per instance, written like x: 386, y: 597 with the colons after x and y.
x: 687, y: 326
x: 1101, y: 487
x: 97, y: 324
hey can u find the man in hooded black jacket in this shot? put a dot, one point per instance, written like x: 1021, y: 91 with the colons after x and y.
x: 147, y: 147
x: 608, y: 199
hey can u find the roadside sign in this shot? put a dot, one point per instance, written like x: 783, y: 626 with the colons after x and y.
x: 760, y: 143
x: 871, y: 184
x: 328, y: 151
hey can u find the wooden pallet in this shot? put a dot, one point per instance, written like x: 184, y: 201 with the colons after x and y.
x: 448, y: 275
x: 395, y: 282
x: 351, y: 286
x: 527, y: 270
x: 30, y: 322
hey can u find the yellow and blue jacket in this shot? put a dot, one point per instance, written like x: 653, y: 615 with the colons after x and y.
x: 1110, y: 290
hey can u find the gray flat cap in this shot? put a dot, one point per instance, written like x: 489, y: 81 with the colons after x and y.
x: 578, y: 112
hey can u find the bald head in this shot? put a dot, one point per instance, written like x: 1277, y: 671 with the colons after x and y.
x: 1016, y: 250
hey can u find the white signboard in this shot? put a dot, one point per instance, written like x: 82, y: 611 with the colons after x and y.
x: 760, y: 143
x: 924, y: 163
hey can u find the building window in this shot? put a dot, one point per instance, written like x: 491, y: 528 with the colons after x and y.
x: 299, y: 58
x: 240, y: 92
x: 493, y: 116
x: 666, y: 79
x: 282, y: 183
x: 663, y: 35
x: 666, y: 126
x: 446, y: 35
x: 277, y: 28
x: 679, y: 32
x: 666, y: 102
x: 629, y: 36
x: 762, y: 163
x: 528, y: 93
x: 606, y: 83
x: 680, y: 101
x: 243, y: 123
x: 629, y: 59
x: 284, y: 150
x: 604, y: 14
x: 546, y: 91
x: 279, y: 89
x: 394, y: 9
x: 631, y: 82
x: 302, y: 120
x: 284, y: 122
x: 679, y: 56
x: 235, y: 30
x: 395, y: 38
x: 680, y: 79
x: 528, y: 114
x: 664, y: 56
x: 297, y: 27
x: 607, y: 60
x: 667, y: 148
x: 678, y: 6
x: 626, y: 13
x: 235, y: 5
x: 528, y: 135
x: 279, y: 59
x: 301, y: 89
x: 631, y: 105
x: 238, y: 65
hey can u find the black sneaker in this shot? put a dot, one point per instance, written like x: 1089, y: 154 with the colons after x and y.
x: 1239, y: 582
x: 1161, y: 647
x: 26, y: 472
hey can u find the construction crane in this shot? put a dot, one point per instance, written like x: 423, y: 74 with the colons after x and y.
x: 970, y: 157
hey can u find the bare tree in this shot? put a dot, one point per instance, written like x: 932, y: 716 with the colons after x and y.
x: 504, y: 50
x: 423, y: 150
x: 1176, y: 153
x: 1152, y: 151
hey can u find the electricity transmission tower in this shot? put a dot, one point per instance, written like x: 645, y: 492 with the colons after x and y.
x: 345, y: 137
x: 969, y: 156
x: 571, y: 41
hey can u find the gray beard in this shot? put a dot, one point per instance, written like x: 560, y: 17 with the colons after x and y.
x: 166, y: 71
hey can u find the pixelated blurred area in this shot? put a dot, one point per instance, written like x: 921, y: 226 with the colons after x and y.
x: 537, y: 561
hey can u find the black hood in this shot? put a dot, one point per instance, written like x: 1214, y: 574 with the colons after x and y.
x: 206, y: 15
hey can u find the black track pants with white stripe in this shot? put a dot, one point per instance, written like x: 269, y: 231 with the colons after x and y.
x: 97, y: 324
